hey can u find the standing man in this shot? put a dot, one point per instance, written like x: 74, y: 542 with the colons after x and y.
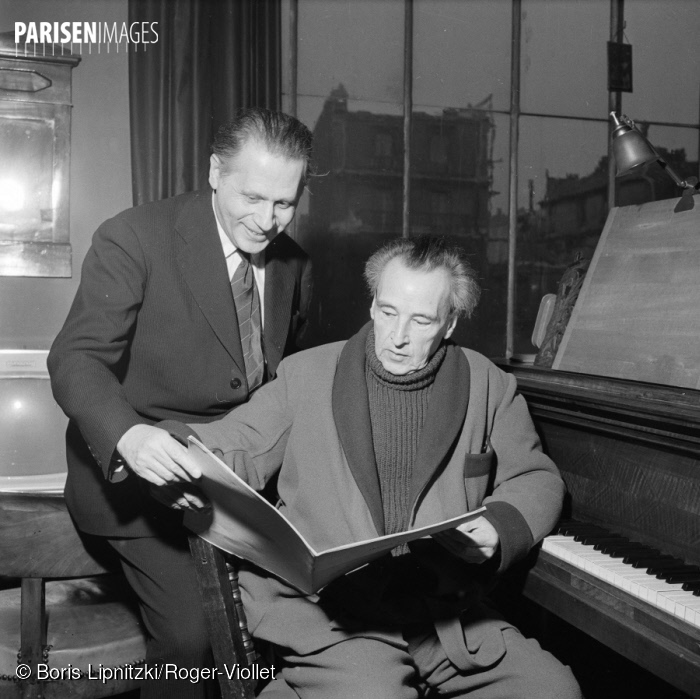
x: 184, y: 308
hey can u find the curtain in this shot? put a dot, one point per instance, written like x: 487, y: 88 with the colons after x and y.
x: 212, y: 58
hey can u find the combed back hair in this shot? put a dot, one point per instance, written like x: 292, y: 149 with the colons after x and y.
x: 427, y: 253
x: 282, y: 135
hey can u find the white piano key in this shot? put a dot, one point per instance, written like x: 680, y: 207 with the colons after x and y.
x: 692, y: 611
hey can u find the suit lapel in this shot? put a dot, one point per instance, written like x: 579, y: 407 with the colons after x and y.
x: 352, y: 420
x: 447, y: 409
x: 279, y: 292
x: 203, y: 267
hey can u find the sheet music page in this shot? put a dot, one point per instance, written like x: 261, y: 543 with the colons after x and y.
x: 244, y: 523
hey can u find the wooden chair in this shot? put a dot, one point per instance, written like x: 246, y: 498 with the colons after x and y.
x: 228, y: 630
x: 61, y: 608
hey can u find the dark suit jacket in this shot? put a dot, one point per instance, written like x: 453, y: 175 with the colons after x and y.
x: 152, y: 335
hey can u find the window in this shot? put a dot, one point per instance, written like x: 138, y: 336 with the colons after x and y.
x: 498, y: 160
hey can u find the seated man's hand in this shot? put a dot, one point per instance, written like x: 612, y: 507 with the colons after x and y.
x: 155, y: 456
x: 180, y: 496
x: 473, y: 542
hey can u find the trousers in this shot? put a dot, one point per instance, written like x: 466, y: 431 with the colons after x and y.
x: 371, y: 668
x: 161, y: 572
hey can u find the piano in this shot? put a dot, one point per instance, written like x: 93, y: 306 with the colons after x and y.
x: 630, y: 455
x: 619, y: 413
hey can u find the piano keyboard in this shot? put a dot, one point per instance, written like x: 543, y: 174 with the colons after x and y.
x: 613, y: 558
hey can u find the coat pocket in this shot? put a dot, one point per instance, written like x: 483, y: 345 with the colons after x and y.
x: 476, y: 465
x: 478, y: 475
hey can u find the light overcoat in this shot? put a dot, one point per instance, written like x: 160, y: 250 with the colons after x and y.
x: 312, y: 424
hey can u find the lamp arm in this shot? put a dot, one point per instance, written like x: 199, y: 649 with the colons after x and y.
x: 684, y: 184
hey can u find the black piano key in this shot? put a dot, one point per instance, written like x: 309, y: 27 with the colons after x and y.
x: 590, y: 534
x: 673, y: 564
x: 646, y: 562
x: 674, y: 578
x: 640, y: 559
x: 691, y: 586
x: 630, y: 552
x: 590, y: 539
x: 571, y: 527
x: 599, y: 541
x: 613, y: 544
x: 679, y: 570
x: 568, y: 526
x: 633, y: 553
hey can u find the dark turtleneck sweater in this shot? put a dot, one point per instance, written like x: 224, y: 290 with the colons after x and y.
x: 397, y: 406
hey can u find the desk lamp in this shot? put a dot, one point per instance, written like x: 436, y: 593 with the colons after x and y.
x: 631, y: 150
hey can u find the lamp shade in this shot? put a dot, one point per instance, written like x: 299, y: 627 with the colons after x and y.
x: 630, y: 148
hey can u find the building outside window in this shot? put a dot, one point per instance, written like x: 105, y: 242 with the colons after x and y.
x: 503, y: 155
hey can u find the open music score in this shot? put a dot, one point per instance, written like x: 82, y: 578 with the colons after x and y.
x: 245, y: 524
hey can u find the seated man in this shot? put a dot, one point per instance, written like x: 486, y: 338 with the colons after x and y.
x: 398, y: 428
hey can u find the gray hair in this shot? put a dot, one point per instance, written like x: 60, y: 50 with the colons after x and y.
x: 280, y: 133
x: 427, y: 253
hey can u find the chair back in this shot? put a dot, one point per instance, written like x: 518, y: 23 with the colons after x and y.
x: 63, y: 611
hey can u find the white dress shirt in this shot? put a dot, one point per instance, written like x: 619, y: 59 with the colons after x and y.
x: 233, y: 259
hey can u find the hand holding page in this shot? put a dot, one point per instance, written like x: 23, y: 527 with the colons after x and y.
x: 243, y: 523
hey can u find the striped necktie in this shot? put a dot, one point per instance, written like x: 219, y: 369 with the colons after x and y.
x: 247, y: 300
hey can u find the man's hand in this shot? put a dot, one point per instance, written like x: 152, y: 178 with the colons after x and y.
x: 181, y: 496
x: 473, y: 542
x: 155, y: 456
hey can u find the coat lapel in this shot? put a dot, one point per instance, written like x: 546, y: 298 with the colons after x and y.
x: 352, y: 420
x: 447, y: 409
x: 203, y: 267
x: 279, y: 292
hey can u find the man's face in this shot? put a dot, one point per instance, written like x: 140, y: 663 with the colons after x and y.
x: 256, y: 194
x: 411, y: 316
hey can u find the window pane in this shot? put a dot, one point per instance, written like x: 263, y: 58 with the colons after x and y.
x: 665, y: 38
x: 354, y: 43
x: 459, y: 186
x: 564, y: 57
x: 562, y: 208
x: 459, y: 148
x: 354, y: 205
x: 350, y: 93
x: 462, y: 53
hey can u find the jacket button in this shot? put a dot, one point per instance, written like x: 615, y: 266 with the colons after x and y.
x: 235, y: 383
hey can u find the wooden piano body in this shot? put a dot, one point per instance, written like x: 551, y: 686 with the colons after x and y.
x: 630, y: 455
x: 619, y: 413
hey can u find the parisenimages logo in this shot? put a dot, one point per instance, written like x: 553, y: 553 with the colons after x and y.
x: 107, y: 35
